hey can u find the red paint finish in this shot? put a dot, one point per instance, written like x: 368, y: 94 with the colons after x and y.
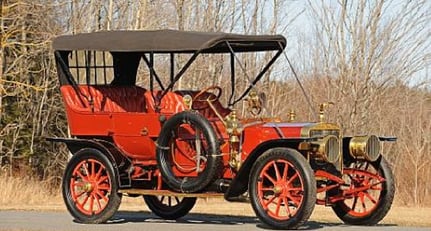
x: 130, y: 117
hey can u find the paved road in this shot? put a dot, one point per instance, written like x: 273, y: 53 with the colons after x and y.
x: 62, y: 221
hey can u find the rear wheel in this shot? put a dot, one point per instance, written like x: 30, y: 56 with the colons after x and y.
x: 188, y: 154
x: 170, y: 207
x: 282, y: 188
x: 370, y: 193
x: 90, y: 187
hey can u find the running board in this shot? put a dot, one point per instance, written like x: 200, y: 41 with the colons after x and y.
x: 169, y: 193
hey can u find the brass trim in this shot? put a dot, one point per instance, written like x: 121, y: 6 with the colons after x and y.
x: 188, y: 101
x: 305, y: 131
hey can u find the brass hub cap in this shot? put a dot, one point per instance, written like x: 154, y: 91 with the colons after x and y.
x: 87, y: 187
x: 278, y: 190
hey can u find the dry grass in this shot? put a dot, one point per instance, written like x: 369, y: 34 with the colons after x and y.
x: 27, y: 194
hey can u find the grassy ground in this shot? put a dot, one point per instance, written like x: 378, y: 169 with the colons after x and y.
x: 25, y: 194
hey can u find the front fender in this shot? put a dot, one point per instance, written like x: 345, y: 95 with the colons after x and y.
x: 239, y: 184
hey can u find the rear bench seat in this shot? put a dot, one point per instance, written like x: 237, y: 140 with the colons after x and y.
x: 105, y: 98
x: 129, y: 99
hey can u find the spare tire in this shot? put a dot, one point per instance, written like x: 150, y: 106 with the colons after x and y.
x: 188, y: 153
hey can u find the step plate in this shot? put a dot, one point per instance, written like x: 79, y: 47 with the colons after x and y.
x: 169, y: 193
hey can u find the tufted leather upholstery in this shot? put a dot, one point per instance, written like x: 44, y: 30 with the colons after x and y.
x: 171, y: 103
x: 130, y: 99
x: 105, y: 98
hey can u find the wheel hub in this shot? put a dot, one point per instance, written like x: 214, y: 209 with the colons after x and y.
x: 278, y: 190
x: 87, y: 187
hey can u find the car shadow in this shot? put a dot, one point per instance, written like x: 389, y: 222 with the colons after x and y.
x: 122, y: 217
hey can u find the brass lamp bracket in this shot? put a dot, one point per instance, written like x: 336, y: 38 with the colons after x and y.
x: 322, y: 108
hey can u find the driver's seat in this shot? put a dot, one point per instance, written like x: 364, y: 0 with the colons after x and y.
x: 206, y: 112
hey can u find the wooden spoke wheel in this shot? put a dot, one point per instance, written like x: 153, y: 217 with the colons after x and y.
x: 90, y: 187
x: 369, y: 192
x: 170, y: 207
x: 282, y: 188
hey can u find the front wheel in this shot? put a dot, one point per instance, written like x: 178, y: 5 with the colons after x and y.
x: 369, y: 192
x: 282, y: 188
x: 90, y: 187
x: 170, y: 207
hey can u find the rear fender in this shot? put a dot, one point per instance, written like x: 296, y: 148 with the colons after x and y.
x: 119, y: 161
x: 239, y: 184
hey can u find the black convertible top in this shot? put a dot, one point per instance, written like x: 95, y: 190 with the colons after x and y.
x: 168, y: 41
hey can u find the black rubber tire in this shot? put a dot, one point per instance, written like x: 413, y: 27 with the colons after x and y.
x: 383, y: 205
x: 213, y: 166
x: 173, y: 212
x: 302, y: 167
x: 114, y: 198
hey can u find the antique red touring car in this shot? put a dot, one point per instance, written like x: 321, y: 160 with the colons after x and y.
x: 135, y: 132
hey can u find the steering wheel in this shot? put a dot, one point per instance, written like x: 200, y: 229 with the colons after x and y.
x: 205, y: 97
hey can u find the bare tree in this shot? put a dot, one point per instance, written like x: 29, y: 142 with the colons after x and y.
x: 364, y: 48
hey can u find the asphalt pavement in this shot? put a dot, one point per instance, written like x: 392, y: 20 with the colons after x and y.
x: 125, y: 220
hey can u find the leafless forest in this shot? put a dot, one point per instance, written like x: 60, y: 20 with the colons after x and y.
x: 371, y: 58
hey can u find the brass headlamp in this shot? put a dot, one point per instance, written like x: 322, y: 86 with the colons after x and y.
x: 365, y: 147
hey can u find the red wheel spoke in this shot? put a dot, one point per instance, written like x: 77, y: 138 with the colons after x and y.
x: 91, y: 203
x: 267, y: 189
x: 99, y: 172
x: 102, y: 178
x: 269, y: 178
x: 292, y: 178
x: 285, y: 170
x: 104, y: 187
x: 78, y: 184
x: 277, y: 208
x: 98, y: 203
x: 84, y: 165
x: 286, y: 202
x: 84, y: 202
x: 79, y: 195
x: 296, y: 189
x: 269, y: 201
x: 370, y: 197
x: 102, y: 196
x: 295, y: 200
x: 277, y: 172
x: 93, y: 172
x: 85, y: 178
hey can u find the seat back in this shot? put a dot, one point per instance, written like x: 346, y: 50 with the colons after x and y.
x: 104, y: 98
x: 171, y: 103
